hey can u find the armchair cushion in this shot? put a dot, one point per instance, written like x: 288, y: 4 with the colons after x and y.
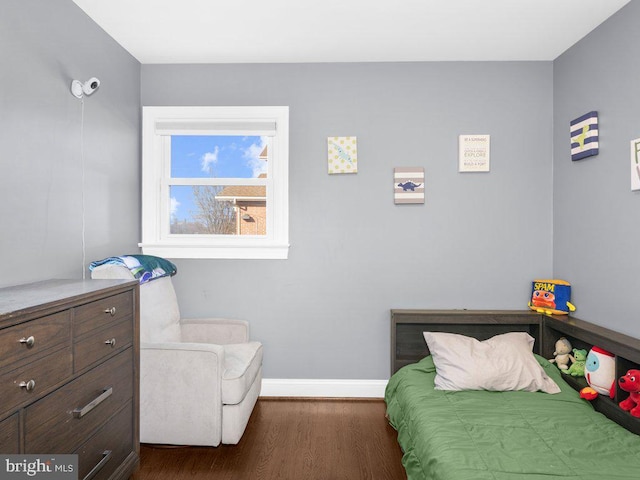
x: 242, y: 361
x: 159, y: 312
x: 214, y: 330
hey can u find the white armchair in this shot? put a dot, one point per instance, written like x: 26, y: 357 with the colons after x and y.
x: 199, y: 378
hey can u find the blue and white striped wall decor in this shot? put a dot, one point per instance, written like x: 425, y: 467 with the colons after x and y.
x: 408, y: 183
x: 584, y: 136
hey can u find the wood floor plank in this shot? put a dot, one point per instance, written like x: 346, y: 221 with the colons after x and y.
x: 291, y: 439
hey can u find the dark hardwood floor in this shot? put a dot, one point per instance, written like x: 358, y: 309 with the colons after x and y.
x: 291, y: 439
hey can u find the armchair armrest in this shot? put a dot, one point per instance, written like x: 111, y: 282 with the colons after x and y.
x: 221, y: 331
x: 181, y: 382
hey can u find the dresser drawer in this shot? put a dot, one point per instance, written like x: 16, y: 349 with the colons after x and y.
x: 26, y: 340
x: 103, y: 343
x: 108, y: 448
x: 60, y: 421
x: 10, y: 435
x: 98, y: 314
x: 30, y: 381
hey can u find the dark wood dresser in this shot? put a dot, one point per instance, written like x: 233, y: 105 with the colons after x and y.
x: 69, y: 356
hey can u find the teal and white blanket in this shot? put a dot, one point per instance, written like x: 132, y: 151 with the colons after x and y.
x: 143, y: 267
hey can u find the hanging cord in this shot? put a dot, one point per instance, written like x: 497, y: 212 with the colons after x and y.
x: 84, y: 253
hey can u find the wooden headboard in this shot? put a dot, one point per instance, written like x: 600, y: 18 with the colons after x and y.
x: 408, y: 344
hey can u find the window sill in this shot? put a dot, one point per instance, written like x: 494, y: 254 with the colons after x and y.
x: 248, y: 252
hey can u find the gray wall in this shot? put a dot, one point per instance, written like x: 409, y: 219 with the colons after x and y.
x: 477, y: 242
x: 44, y: 44
x: 596, y: 216
x: 324, y: 313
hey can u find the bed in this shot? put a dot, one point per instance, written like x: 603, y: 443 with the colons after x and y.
x: 480, y: 434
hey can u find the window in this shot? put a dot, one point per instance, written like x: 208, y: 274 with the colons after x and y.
x: 215, y: 182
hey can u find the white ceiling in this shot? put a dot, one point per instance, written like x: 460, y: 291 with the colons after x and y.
x: 275, y: 31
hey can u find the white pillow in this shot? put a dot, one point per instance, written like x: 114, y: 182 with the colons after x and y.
x: 502, y: 363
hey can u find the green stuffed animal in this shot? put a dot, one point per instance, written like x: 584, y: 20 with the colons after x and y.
x: 579, y: 359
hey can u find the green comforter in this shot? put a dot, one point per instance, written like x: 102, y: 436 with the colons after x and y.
x: 478, y: 435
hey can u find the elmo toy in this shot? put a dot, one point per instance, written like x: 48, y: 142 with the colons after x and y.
x: 631, y: 383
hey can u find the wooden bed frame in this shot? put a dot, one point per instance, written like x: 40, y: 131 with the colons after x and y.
x: 408, y: 344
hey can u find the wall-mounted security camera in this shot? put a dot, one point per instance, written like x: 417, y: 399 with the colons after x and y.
x: 79, y: 89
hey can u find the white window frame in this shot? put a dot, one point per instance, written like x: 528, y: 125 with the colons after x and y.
x: 160, y: 122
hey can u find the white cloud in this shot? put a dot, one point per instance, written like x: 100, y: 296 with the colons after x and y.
x: 174, y: 206
x: 208, y: 159
x: 252, y: 154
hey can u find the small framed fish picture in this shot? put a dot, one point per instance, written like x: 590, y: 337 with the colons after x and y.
x: 342, y: 155
x: 408, y: 185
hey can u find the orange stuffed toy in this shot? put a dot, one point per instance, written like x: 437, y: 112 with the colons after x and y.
x: 631, y: 383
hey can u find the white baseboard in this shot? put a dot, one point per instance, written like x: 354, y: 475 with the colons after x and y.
x: 297, y: 387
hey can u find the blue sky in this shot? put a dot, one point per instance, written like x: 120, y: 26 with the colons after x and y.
x: 212, y: 157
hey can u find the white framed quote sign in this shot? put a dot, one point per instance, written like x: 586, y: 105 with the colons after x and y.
x: 473, y: 153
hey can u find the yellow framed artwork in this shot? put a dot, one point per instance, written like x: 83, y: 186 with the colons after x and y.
x: 342, y: 155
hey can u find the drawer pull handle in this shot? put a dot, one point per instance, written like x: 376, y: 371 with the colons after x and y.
x: 111, y: 342
x: 81, y: 412
x: 106, y: 456
x: 29, y: 386
x: 28, y: 341
x: 111, y: 311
